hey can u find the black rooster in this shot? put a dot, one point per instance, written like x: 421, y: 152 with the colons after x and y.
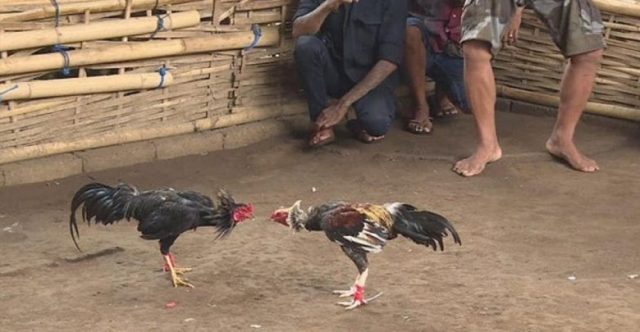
x: 365, y: 228
x: 162, y: 215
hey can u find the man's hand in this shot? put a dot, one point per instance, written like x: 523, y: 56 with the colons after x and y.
x: 335, y: 4
x: 311, y: 23
x: 331, y: 115
x: 510, y: 35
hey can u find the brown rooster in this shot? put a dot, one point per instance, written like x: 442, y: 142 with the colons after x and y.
x: 360, y: 229
x: 162, y: 215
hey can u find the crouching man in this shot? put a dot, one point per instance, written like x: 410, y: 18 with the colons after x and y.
x: 347, y: 53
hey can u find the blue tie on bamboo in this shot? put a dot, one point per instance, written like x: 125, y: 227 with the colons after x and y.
x: 163, y: 72
x: 2, y: 93
x: 257, y: 34
x: 59, y: 48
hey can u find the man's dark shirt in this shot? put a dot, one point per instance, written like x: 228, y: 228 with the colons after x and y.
x: 360, y: 34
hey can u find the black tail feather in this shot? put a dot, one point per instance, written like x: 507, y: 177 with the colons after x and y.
x: 424, y: 227
x: 104, y: 204
x: 73, y: 226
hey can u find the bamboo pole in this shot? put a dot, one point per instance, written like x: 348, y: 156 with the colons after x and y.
x: 93, y: 31
x: 36, y: 107
x: 231, y: 10
x: 619, y: 112
x: 138, y: 51
x: 125, y: 135
x: 86, y: 85
x: 96, y: 6
x: 618, y: 7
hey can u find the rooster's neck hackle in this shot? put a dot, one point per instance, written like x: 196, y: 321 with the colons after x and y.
x: 297, y: 218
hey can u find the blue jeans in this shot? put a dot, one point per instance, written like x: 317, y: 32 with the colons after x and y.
x: 322, y: 79
x: 446, y: 70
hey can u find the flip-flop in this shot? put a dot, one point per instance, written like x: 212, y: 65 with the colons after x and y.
x: 451, y: 110
x: 358, y: 132
x: 315, y: 142
x: 419, y: 127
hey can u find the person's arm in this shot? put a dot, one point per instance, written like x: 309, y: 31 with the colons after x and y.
x: 390, y: 53
x: 310, y: 16
x: 332, y: 115
x: 510, y: 35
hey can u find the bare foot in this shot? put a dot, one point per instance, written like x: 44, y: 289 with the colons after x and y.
x: 475, y: 164
x: 569, y: 153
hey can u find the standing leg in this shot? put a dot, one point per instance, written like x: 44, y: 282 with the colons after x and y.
x: 483, y: 23
x: 350, y: 291
x: 575, y: 90
x: 481, y: 93
x: 360, y: 259
x: 577, y: 29
x: 172, y: 258
x: 175, y: 278
x: 170, y: 265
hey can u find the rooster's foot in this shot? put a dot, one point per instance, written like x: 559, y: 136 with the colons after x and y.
x: 358, y: 302
x: 178, y: 281
x: 182, y: 270
x: 176, y: 272
x: 352, y: 305
x: 345, y: 293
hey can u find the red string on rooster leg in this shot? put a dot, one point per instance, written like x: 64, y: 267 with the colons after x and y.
x: 172, y: 258
x: 359, y: 294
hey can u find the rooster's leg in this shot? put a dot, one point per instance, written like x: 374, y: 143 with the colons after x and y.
x: 178, y: 270
x: 175, y: 278
x: 360, y: 259
x: 358, y: 294
x: 348, y: 292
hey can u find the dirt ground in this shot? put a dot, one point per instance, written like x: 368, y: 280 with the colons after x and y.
x: 528, y: 225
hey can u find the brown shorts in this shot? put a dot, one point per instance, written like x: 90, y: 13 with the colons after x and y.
x: 576, y: 26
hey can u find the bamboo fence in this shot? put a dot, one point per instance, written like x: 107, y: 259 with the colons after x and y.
x: 531, y: 71
x: 91, y: 73
x: 87, y: 74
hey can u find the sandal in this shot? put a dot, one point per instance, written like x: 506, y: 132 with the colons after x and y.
x: 450, y: 110
x: 319, y: 138
x: 359, y: 133
x: 418, y: 127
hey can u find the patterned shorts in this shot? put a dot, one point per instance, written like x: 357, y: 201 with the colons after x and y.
x: 576, y: 25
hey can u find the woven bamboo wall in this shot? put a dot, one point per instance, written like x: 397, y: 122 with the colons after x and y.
x: 207, y: 89
x: 533, y: 69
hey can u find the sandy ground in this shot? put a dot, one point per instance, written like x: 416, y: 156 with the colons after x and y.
x: 527, y: 225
